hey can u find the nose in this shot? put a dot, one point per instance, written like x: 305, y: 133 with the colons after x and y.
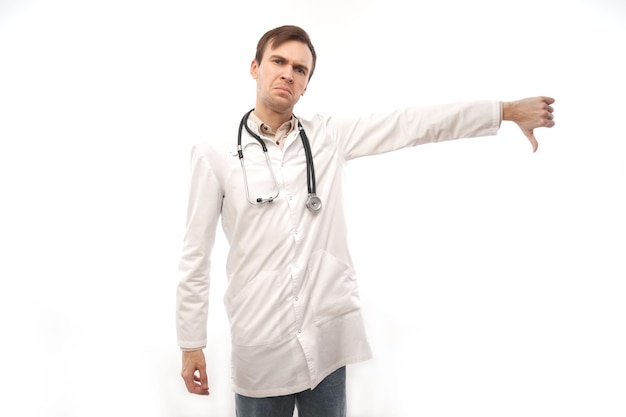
x: 287, y: 75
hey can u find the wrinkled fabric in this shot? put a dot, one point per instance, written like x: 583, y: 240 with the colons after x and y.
x: 292, y: 297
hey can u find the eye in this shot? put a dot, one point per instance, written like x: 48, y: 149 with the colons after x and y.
x: 277, y: 61
x: 301, y: 70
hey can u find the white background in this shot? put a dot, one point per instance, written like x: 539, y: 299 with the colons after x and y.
x: 492, y: 278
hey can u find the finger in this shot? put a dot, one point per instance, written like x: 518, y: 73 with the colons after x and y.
x: 189, y: 382
x: 531, y: 137
x: 199, y: 379
x: 203, y: 380
x: 196, y: 387
x: 200, y: 390
x: 547, y: 100
x: 192, y: 385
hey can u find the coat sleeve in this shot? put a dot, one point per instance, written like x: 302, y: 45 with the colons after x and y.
x: 379, y: 133
x: 203, y: 211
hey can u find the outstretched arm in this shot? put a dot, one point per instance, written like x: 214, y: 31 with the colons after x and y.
x: 530, y: 113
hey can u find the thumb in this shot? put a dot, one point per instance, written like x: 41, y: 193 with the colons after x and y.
x: 531, y: 137
x: 204, y: 380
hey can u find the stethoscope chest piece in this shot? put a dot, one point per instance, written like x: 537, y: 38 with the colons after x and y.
x: 314, y: 203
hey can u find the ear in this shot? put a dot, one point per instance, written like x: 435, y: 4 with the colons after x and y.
x: 254, y: 68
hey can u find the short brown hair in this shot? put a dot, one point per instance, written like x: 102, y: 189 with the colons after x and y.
x: 280, y: 35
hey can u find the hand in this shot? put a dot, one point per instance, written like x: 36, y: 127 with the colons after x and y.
x: 194, y: 372
x: 529, y: 114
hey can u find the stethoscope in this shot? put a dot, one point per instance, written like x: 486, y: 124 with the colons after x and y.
x: 313, y: 202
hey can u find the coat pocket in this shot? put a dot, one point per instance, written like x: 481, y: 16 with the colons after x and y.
x: 334, y: 291
x: 254, y: 311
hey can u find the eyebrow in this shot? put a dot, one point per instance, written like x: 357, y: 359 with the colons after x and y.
x: 295, y: 64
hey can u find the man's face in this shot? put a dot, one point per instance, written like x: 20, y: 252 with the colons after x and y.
x: 282, y: 76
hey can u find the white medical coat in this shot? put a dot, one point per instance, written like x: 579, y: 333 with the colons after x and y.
x: 292, y: 297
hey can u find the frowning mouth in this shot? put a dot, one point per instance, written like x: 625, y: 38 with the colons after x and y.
x: 284, y: 89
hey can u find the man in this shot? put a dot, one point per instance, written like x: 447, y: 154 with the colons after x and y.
x: 292, y: 298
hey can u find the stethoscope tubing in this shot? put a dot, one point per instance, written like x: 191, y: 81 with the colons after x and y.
x: 313, y: 201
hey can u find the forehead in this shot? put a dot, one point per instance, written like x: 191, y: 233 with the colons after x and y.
x: 292, y: 50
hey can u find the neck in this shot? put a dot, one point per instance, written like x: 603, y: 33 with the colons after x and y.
x: 272, y: 118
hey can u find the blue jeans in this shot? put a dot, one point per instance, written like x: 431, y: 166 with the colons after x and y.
x: 328, y: 399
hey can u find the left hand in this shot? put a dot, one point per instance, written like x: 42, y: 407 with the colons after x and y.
x: 530, y: 113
